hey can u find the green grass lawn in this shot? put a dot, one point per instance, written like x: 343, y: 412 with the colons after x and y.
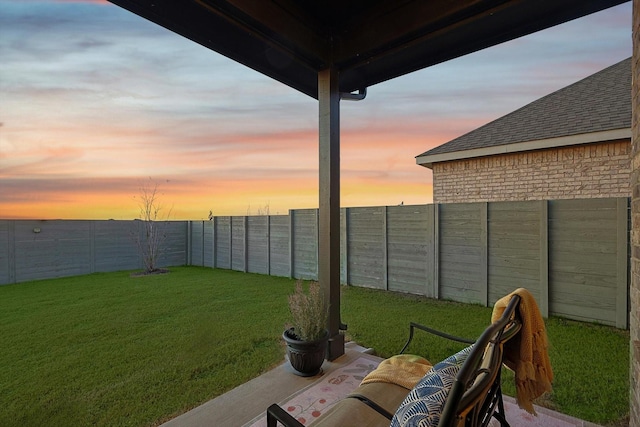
x: 590, y: 362
x: 110, y: 349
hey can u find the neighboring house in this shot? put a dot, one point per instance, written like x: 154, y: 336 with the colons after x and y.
x: 573, y: 143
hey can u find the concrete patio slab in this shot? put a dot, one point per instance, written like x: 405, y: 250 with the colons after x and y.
x: 248, y: 401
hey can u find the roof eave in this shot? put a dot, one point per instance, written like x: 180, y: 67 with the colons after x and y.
x: 518, y: 147
x: 286, y: 41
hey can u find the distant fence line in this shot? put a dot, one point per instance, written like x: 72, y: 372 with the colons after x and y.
x: 573, y: 255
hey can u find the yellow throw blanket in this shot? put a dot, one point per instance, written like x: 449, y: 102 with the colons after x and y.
x: 404, y: 370
x: 527, y: 353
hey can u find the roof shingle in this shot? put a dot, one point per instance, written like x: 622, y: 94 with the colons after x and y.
x: 600, y: 102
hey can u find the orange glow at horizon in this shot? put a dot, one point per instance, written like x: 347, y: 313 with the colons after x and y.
x: 188, y: 207
x: 278, y: 170
x: 194, y: 203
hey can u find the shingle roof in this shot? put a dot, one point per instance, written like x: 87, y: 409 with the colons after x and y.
x: 600, y: 102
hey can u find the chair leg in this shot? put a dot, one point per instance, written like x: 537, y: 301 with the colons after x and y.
x: 276, y: 413
x: 500, y: 414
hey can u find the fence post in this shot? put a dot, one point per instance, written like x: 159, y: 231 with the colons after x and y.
x: 11, y: 227
x: 291, y: 239
x: 245, y: 243
x: 622, y: 267
x: 345, y: 244
x: 385, y: 249
x: 269, y: 245
x: 188, y: 244
x: 484, y: 250
x: 202, y: 245
x: 317, y: 224
x: 544, y: 258
x: 214, y: 241
x: 436, y: 250
x: 230, y: 242
x: 92, y: 246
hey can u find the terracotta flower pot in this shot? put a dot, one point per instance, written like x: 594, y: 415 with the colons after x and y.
x: 306, y: 357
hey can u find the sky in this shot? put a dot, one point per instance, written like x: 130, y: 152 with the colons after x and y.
x: 97, y: 104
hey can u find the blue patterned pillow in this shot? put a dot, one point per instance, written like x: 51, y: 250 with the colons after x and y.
x: 423, y: 405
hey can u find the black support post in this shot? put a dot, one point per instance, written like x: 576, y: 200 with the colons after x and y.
x: 329, y: 207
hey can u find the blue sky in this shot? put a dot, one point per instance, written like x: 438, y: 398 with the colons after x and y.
x: 94, y: 101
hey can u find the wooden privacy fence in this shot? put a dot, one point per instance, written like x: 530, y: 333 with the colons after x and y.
x: 33, y: 250
x: 571, y: 254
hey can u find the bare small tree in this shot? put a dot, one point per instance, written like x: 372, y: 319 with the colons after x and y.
x: 150, y: 241
x: 262, y: 211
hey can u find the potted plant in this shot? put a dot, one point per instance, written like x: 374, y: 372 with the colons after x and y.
x: 307, y: 336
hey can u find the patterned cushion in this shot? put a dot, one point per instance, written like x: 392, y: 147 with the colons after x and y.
x: 423, y: 405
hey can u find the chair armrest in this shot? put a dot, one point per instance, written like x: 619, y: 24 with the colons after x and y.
x: 413, y: 326
x: 275, y: 413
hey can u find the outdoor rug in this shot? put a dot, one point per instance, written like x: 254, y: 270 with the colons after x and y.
x: 310, y: 402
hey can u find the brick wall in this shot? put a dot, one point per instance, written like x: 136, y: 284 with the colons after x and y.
x: 584, y: 171
x: 634, y: 297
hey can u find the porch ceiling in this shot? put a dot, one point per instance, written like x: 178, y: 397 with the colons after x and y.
x: 366, y: 41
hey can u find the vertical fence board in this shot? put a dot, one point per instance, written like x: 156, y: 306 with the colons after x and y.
x: 410, y: 249
x: 196, y: 243
x: 59, y: 249
x: 214, y: 242
x: 174, y: 250
x: 223, y: 242
x: 514, y: 248
x: 292, y: 237
x: 258, y: 244
x: 305, y: 244
x: 207, y: 243
x: 461, y: 270
x: 365, y: 241
x: 7, y: 262
x: 115, y: 245
x: 583, y: 259
x: 237, y: 243
x: 268, y: 248
x: 92, y: 244
x: 279, y: 246
x: 189, y: 237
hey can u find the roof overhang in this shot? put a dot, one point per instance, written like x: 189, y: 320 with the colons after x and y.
x: 366, y: 41
x: 518, y: 147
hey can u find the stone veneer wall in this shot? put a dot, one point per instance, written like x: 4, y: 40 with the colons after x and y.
x: 577, y: 172
x: 634, y: 297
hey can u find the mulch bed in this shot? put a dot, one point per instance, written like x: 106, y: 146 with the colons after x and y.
x: 150, y: 273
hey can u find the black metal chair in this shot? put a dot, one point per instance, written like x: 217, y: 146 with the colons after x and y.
x: 476, y: 395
